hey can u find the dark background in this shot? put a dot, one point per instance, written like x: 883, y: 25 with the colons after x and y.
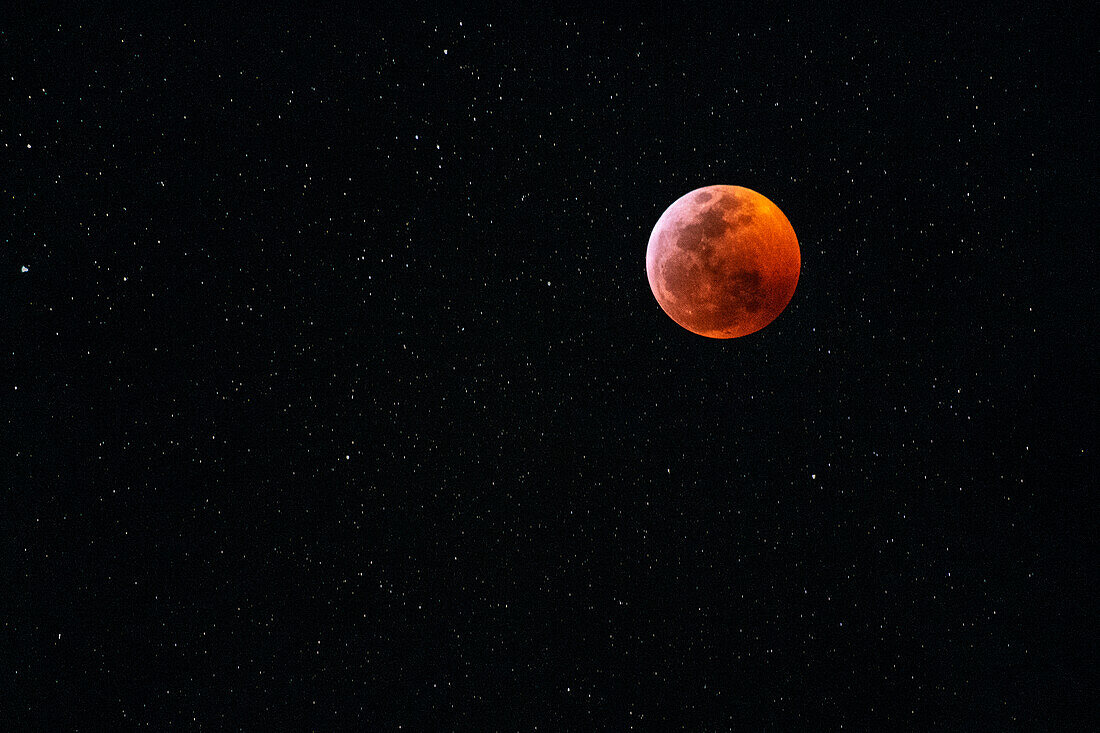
x: 339, y: 398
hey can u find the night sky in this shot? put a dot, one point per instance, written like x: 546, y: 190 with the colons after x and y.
x: 338, y: 397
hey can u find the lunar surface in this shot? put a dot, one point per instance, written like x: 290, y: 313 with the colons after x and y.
x: 723, y: 261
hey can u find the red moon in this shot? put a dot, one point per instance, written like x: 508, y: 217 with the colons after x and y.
x: 723, y: 261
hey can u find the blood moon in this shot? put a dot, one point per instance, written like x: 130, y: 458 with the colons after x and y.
x: 723, y: 261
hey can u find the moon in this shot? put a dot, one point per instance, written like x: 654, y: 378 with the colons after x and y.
x: 723, y: 261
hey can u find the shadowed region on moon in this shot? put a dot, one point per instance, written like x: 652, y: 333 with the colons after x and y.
x: 723, y: 261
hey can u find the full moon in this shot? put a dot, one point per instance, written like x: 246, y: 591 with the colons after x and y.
x: 723, y: 261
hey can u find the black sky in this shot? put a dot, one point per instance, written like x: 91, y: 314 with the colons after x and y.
x: 339, y: 399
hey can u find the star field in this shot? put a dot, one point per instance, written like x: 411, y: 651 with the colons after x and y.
x: 338, y: 398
